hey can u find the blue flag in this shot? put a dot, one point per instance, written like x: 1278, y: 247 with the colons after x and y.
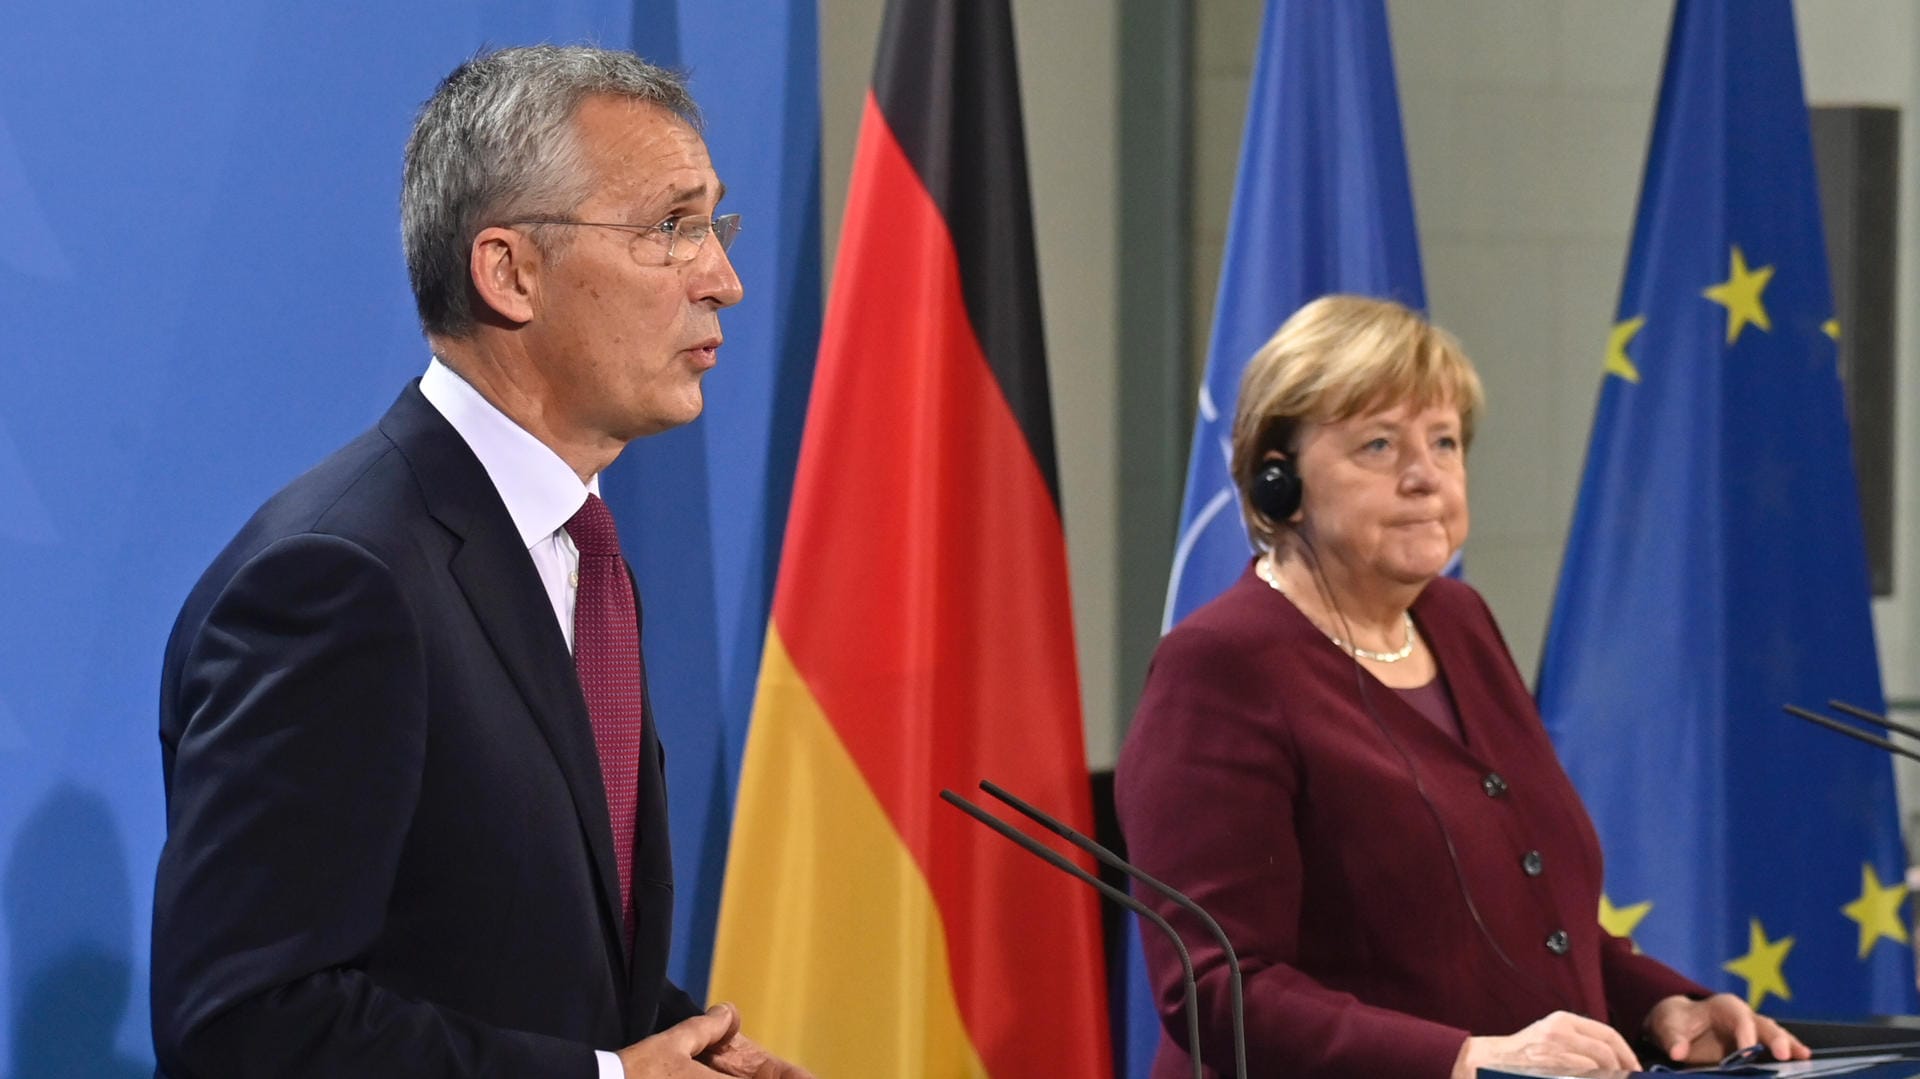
x: 1321, y: 204
x: 1716, y: 567
x: 208, y: 387
x: 711, y: 498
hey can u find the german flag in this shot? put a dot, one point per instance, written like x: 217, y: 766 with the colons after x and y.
x: 921, y: 635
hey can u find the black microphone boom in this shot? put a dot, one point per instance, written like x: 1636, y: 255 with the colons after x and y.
x: 1877, y: 720
x: 1851, y: 732
x: 1107, y: 857
x: 1054, y: 859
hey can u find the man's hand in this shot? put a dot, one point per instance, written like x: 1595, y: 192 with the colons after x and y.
x: 740, y: 1057
x: 1705, y: 1031
x: 676, y: 1052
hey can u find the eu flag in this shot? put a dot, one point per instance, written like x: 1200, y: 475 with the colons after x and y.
x: 1717, y: 569
x: 1321, y: 205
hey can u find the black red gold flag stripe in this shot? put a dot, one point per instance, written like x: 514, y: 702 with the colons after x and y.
x: 922, y: 633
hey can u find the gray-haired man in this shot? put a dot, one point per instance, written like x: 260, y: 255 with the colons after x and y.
x: 416, y: 820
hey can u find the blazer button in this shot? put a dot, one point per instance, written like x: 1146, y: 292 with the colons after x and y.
x: 1493, y: 785
x: 1557, y: 942
x: 1532, y: 864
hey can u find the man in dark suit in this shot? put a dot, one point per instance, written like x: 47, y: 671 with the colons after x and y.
x: 416, y: 821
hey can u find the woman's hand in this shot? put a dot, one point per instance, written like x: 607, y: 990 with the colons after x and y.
x: 1706, y: 1031
x: 1561, y: 1040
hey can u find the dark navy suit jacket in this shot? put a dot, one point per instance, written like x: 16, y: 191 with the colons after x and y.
x: 388, y: 850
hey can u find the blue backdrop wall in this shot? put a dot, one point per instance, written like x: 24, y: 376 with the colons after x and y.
x: 202, y: 293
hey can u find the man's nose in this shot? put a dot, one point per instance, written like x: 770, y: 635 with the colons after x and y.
x: 714, y: 279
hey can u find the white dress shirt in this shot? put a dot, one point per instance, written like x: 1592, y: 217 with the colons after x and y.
x: 541, y: 493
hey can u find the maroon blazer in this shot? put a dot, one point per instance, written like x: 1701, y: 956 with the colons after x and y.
x: 1309, y: 822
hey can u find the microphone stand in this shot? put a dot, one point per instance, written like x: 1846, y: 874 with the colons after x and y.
x: 1055, y: 860
x: 1109, y: 858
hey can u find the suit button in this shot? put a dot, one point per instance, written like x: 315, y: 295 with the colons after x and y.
x: 1532, y: 864
x: 1557, y: 942
x: 1493, y: 785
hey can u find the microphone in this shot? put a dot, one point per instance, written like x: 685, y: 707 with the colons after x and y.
x: 1109, y: 858
x: 1052, y: 858
x: 1853, y: 732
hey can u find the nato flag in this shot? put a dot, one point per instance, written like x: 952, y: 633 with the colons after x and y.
x: 1321, y: 205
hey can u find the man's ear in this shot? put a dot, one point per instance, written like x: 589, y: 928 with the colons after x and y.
x: 504, y: 266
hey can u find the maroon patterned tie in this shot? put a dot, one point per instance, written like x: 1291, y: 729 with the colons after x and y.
x: 606, y: 651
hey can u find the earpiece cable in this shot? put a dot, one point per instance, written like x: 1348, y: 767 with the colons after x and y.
x: 1325, y: 589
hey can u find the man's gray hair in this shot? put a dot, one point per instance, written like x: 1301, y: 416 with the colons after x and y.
x: 496, y: 143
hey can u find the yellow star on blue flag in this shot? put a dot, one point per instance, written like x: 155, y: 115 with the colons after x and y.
x: 1762, y: 965
x: 1877, y: 911
x: 1618, y: 362
x: 1740, y: 295
x: 1622, y: 921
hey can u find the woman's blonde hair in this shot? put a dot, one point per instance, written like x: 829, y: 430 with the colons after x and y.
x: 1336, y: 358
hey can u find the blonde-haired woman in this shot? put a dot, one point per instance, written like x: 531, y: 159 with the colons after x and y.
x: 1338, y: 759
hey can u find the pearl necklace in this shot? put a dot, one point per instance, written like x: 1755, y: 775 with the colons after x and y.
x: 1265, y: 571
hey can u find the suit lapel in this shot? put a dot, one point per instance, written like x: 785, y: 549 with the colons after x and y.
x: 652, y: 859
x: 652, y: 856
x: 499, y: 582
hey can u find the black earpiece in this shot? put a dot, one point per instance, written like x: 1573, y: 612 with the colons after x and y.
x: 1275, y: 490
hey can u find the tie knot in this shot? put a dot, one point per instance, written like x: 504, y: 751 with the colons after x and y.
x: 592, y: 529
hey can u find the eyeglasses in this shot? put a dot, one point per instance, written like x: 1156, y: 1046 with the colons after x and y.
x: 685, y: 235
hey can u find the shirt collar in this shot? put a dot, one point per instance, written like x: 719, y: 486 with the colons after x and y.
x: 540, y: 490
